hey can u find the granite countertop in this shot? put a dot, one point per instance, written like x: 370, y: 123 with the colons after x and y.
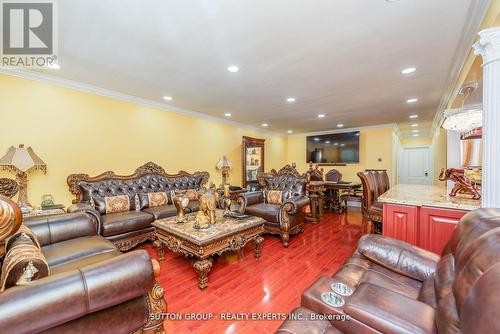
x: 424, y: 195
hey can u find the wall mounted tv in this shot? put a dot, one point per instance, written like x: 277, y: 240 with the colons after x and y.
x: 335, y: 148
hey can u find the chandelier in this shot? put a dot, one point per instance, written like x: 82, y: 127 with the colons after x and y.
x: 470, y: 115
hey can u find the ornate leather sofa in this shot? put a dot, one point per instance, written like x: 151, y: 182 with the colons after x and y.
x: 375, y: 183
x: 399, y: 288
x: 286, y: 218
x: 91, y: 288
x: 128, y: 229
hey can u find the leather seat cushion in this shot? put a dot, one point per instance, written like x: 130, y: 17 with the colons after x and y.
x: 75, y: 249
x: 301, y: 323
x: 117, y: 223
x: 269, y: 212
x: 163, y: 211
x: 84, y: 261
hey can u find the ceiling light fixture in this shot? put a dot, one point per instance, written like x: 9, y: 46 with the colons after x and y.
x: 327, y: 142
x: 415, y: 135
x: 414, y: 125
x: 321, y: 116
x: 233, y: 68
x: 316, y: 139
x: 228, y: 114
x: 340, y: 125
x: 290, y: 100
x: 413, y: 116
x: 408, y: 70
x: 265, y: 125
x: 414, y: 130
x: 412, y: 100
x: 470, y: 115
x: 290, y: 131
x: 167, y: 98
x: 336, y: 144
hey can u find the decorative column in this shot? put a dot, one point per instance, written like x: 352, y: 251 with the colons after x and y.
x: 488, y: 47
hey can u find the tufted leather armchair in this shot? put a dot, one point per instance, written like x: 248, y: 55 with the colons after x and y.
x: 286, y: 218
x: 127, y: 229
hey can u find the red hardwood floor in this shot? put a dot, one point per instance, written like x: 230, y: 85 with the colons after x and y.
x: 239, y: 283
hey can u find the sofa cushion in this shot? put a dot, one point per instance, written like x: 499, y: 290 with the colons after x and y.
x: 156, y: 199
x: 84, y: 261
x: 304, y: 321
x: 160, y: 212
x: 117, y: 223
x: 74, y: 249
x: 269, y: 212
x: 115, y: 204
x: 274, y: 196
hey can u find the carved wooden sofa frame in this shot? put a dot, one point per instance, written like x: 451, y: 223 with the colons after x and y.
x: 79, y: 204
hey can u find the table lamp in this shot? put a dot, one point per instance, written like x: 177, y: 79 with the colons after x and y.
x: 224, y: 166
x: 22, y: 160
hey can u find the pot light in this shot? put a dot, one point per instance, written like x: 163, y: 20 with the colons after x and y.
x: 408, y: 70
x: 290, y: 100
x: 290, y: 131
x: 413, y: 116
x: 340, y: 125
x: 233, y: 68
x: 228, y: 114
x: 415, y: 135
x: 321, y: 116
x: 167, y: 98
x: 414, y: 130
x: 336, y: 144
x: 327, y: 142
x: 414, y: 125
x: 265, y: 125
x: 316, y: 139
x: 412, y: 100
x: 342, y: 145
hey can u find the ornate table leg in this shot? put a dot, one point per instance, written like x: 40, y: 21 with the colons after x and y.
x: 257, y: 246
x: 314, y: 207
x: 202, y: 268
x: 321, y: 198
x: 160, y: 249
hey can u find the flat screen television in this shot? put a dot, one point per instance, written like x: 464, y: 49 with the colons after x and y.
x: 335, y: 148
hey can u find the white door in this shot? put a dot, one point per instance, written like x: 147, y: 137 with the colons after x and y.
x: 415, y: 165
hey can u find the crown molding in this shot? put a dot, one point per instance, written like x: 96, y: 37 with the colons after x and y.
x: 326, y: 132
x: 86, y: 88
x: 475, y: 16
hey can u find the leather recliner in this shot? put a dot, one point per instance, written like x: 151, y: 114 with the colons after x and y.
x: 400, y: 288
x: 92, y: 287
x: 286, y: 218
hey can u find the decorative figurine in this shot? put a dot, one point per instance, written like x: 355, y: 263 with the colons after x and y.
x: 181, y: 202
x: 206, y: 214
x: 462, y: 182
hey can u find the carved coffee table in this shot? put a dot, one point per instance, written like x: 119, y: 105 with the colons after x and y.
x: 227, y: 234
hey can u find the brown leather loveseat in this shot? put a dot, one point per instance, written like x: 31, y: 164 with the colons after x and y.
x: 399, y: 288
x: 286, y: 217
x: 91, y: 287
x: 129, y: 228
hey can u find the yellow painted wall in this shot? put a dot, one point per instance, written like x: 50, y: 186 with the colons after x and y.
x: 74, y: 131
x: 440, y: 151
x: 374, y: 143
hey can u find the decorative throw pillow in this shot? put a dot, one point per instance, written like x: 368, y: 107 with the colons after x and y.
x: 274, y: 196
x: 23, y: 263
x: 115, y: 204
x: 157, y: 199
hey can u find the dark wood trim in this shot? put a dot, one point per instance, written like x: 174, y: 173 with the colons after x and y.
x: 250, y: 142
x: 73, y: 180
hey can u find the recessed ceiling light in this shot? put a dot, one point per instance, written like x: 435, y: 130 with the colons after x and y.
x: 336, y: 144
x: 391, y: 1
x: 321, y: 115
x: 414, y: 125
x: 316, y: 139
x: 342, y: 145
x: 233, y: 68
x: 265, y: 124
x: 228, y: 114
x: 290, y: 100
x: 167, y: 98
x: 415, y: 135
x: 340, y: 125
x: 414, y: 130
x: 413, y: 116
x: 327, y: 142
x: 290, y: 131
x: 408, y: 70
x: 412, y: 100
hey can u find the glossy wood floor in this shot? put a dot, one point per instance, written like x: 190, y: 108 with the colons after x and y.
x: 239, y: 283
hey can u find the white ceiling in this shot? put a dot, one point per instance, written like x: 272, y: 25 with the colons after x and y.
x: 340, y: 58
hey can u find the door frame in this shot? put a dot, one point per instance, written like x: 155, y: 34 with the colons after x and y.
x: 430, y: 157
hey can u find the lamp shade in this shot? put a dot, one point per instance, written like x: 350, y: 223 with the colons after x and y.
x: 224, y: 163
x: 22, y: 159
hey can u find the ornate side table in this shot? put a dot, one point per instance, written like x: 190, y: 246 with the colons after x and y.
x: 227, y: 234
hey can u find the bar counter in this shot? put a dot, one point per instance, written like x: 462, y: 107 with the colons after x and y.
x: 422, y: 215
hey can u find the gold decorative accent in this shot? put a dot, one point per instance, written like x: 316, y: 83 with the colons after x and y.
x: 8, y: 187
x: 202, y: 269
x: 206, y: 214
x: 149, y: 168
x: 274, y: 196
x: 115, y: 204
x: 126, y: 244
x: 156, y: 307
x: 10, y: 220
x: 157, y: 199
